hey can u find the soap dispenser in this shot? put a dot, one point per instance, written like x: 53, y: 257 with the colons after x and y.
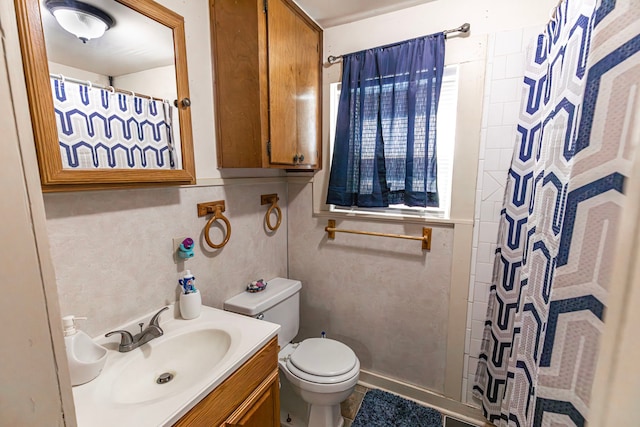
x: 86, y: 358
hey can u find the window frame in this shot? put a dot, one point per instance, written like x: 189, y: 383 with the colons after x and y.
x: 470, y: 54
x: 450, y: 75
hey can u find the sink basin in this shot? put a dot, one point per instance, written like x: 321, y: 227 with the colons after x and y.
x: 185, y: 358
x: 194, y: 355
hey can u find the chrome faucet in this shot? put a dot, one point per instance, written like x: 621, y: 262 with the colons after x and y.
x: 128, y: 342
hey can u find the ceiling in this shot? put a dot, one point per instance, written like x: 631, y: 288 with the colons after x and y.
x: 329, y: 13
x: 135, y: 43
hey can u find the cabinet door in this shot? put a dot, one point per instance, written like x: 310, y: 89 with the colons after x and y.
x: 294, y: 86
x: 239, y: 51
x: 261, y: 409
x: 238, y: 393
x: 308, y: 97
x: 282, y: 24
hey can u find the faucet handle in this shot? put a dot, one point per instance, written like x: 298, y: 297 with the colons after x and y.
x: 155, y: 319
x: 125, y: 340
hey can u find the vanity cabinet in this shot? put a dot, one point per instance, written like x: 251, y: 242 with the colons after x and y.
x: 250, y: 397
x: 260, y: 409
x: 267, y: 58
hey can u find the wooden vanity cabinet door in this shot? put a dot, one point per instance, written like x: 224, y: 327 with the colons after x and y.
x: 261, y: 409
x: 246, y: 391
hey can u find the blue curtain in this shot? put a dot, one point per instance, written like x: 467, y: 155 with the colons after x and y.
x: 385, y: 145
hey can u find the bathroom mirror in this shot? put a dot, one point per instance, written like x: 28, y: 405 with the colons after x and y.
x: 107, y: 111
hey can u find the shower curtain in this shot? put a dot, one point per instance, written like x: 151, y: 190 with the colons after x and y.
x: 578, y: 127
x: 105, y: 129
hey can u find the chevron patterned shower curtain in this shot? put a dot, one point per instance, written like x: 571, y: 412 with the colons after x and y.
x: 579, y: 124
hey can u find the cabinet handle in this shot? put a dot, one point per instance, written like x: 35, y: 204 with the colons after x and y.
x: 301, y: 158
x: 295, y: 159
x: 238, y: 417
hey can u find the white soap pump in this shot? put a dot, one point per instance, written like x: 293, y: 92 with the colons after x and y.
x: 69, y: 324
x: 86, y: 358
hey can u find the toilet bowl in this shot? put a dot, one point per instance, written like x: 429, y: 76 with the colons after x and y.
x: 323, y: 372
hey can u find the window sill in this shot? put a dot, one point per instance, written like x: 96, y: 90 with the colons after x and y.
x: 383, y: 218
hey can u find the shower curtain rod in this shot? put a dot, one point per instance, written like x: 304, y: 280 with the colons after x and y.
x: 99, y: 86
x: 464, y: 28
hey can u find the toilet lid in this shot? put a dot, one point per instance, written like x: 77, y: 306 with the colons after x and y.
x: 323, y: 357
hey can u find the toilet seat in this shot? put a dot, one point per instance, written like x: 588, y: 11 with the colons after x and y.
x: 323, y: 361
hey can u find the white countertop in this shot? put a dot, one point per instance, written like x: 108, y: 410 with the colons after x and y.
x: 96, y: 404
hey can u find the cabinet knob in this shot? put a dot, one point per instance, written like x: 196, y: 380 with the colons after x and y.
x: 295, y: 159
x: 301, y: 157
x: 186, y: 102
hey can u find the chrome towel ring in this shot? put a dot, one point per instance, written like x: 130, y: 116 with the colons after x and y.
x: 216, y: 208
x: 265, y: 199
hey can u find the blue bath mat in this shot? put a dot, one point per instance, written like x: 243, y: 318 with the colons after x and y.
x: 382, y: 409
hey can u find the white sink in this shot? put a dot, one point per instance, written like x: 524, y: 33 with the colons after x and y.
x: 182, y: 359
x: 196, y: 355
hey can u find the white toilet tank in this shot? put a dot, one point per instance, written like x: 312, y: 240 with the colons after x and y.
x: 279, y: 303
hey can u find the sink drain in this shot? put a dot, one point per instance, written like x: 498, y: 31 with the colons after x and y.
x: 164, y: 378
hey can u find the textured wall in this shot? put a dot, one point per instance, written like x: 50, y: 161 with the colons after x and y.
x: 385, y: 298
x: 491, y: 18
x: 30, y: 394
x: 112, y: 250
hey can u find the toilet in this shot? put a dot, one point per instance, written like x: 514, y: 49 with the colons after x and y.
x: 322, y: 372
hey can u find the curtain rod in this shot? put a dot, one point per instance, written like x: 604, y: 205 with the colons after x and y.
x: 99, y: 86
x: 464, y: 28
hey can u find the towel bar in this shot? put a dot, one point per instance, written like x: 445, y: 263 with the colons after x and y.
x: 426, y: 234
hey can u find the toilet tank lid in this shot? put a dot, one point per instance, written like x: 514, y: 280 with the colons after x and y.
x: 252, y: 304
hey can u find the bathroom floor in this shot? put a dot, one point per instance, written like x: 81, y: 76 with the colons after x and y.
x: 351, y: 406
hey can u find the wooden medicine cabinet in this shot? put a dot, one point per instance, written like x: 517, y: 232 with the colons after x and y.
x: 267, y: 57
x: 142, y: 52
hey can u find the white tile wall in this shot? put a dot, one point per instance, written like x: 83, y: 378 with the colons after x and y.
x: 505, y: 70
x: 508, y: 42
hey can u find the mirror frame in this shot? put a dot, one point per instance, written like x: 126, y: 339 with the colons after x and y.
x: 36, y: 71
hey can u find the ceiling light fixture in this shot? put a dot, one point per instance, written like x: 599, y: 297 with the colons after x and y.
x: 81, y: 19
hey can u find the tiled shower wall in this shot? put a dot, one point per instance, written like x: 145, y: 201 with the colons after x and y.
x: 503, y: 93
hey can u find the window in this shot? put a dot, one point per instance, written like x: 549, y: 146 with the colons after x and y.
x: 446, y: 126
